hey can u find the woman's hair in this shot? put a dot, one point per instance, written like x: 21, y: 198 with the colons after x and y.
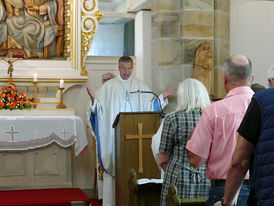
x: 192, y: 94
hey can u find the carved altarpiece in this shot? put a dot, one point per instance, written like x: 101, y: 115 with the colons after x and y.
x: 79, y: 28
x: 80, y: 25
x: 41, y: 167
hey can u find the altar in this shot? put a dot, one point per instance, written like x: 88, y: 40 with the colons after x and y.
x: 36, y: 150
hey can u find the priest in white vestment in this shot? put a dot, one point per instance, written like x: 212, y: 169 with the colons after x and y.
x: 113, y: 97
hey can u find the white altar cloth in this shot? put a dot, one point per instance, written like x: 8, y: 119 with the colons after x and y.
x: 30, y: 132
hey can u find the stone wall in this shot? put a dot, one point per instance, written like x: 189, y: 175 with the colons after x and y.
x: 165, y: 46
x: 197, y: 26
x: 221, y: 43
x: 178, y: 27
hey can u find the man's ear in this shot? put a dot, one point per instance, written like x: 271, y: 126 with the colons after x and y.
x: 252, y: 79
x: 225, y: 79
x: 226, y: 83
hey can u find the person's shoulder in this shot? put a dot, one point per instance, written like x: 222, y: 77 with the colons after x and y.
x: 140, y: 83
x: 110, y: 82
x: 263, y: 93
x: 191, y: 113
x: 171, y: 116
x: 106, y: 88
x: 188, y: 115
x: 212, y: 108
x: 137, y: 80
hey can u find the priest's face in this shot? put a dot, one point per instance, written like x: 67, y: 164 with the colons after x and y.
x: 125, y: 69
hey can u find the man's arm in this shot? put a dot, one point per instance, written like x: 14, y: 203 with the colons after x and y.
x: 195, y: 160
x: 91, y: 95
x: 241, y: 160
x: 163, y: 159
x: 167, y: 92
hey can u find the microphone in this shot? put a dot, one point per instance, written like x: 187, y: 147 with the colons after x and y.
x: 150, y: 92
x: 138, y: 91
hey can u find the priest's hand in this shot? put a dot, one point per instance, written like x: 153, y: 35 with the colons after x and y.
x: 166, y: 93
x: 91, y: 94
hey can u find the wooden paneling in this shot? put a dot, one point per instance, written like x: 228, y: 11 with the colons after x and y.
x: 127, y: 152
x: 41, y: 168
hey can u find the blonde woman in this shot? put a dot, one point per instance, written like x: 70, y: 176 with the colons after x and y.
x: 192, y: 98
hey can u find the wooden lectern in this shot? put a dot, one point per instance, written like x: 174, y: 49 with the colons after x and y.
x: 133, y: 133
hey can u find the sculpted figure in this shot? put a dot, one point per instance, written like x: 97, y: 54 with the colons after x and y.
x: 37, y: 27
x: 3, y: 29
x: 203, y: 65
x: 13, y: 7
x: 10, y: 61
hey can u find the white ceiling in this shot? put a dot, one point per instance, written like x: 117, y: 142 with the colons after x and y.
x: 111, y: 5
x: 124, y: 5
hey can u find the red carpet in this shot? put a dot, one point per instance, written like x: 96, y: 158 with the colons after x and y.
x: 42, y: 197
x: 95, y: 202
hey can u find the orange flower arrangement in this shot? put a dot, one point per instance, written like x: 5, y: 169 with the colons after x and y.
x: 11, y: 99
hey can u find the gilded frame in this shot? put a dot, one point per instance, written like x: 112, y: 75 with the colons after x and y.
x: 81, y: 23
x: 90, y: 16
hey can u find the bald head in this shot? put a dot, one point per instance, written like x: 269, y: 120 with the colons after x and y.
x: 238, y: 70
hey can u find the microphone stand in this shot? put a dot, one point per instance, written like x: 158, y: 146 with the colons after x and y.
x: 162, y: 115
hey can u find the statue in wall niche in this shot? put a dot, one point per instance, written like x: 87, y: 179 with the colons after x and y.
x: 32, y: 28
x: 203, y: 65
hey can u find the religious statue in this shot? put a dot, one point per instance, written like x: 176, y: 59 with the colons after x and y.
x: 17, y: 4
x: 10, y: 61
x: 3, y: 30
x: 203, y: 65
x: 36, y: 27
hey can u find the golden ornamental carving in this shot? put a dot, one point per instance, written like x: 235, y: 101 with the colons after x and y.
x: 89, y: 5
x: 68, y: 30
x: 90, y: 16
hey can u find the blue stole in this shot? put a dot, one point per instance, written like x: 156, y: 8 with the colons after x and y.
x: 156, y: 105
x: 95, y: 126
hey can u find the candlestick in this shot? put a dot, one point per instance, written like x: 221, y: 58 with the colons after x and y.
x: 61, y: 104
x: 61, y: 83
x: 35, y: 97
x: 35, y: 77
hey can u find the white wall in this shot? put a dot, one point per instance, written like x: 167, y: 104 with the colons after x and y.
x: 252, y: 34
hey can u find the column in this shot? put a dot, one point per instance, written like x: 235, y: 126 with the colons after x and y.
x: 143, y: 46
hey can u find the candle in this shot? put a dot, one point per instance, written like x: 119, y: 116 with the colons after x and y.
x: 61, y: 83
x: 35, y: 77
